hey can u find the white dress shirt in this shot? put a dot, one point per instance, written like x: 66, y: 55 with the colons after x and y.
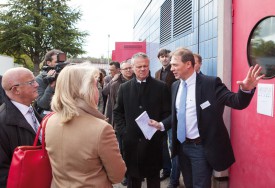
x: 192, y: 130
x: 24, y: 110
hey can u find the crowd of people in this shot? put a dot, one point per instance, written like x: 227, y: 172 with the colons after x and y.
x: 93, y: 139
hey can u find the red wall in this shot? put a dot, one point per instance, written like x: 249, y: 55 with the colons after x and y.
x: 125, y: 50
x: 252, y: 134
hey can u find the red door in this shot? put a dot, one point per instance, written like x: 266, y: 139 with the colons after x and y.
x: 252, y: 134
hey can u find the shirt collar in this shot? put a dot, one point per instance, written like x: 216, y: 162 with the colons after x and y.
x: 21, y: 107
x: 138, y: 81
x: 191, y: 79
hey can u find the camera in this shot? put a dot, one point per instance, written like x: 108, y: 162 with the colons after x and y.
x: 61, y: 58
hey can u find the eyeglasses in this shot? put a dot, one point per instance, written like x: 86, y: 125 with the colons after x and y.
x: 31, y: 83
x: 129, y: 68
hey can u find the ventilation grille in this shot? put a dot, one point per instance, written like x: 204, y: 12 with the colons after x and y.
x: 182, y: 17
x: 165, y: 21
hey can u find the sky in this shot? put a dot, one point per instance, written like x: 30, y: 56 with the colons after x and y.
x: 103, y: 18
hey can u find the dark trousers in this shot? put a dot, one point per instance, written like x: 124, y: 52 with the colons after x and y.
x: 166, y: 159
x: 119, y: 140
x: 175, y: 171
x: 196, y: 170
x: 152, y: 182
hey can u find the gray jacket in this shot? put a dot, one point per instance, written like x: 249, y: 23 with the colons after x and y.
x: 45, y: 92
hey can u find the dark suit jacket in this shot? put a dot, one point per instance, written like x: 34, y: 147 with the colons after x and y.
x: 113, y: 93
x: 170, y: 78
x: 214, y: 135
x: 2, y: 93
x: 143, y: 157
x: 106, y: 96
x: 14, y: 131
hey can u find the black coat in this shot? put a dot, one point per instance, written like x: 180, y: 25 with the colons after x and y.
x: 14, y: 131
x: 2, y: 92
x: 143, y: 157
x: 214, y: 135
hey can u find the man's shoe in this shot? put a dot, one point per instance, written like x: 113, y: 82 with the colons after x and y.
x: 164, y: 176
x: 124, y: 182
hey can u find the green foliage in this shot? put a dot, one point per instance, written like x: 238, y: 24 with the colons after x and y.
x: 32, y: 27
x: 261, y: 48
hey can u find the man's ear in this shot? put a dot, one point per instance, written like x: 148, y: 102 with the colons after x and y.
x: 48, y: 63
x: 189, y: 63
x: 15, y: 90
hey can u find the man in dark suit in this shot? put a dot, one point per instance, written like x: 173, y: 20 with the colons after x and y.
x: 203, y: 144
x: 143, y: 157
x: 167, y: 76
x: 198, y: 63
x: 126, y: 75
x: 17, y: 125
x: 114, y: 70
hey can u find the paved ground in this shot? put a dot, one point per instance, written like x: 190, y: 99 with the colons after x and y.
x: 164, y: 184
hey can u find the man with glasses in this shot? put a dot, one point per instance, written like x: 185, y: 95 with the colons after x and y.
x: 143, y: 157
x: 18, y: 123
x: 126, y: 74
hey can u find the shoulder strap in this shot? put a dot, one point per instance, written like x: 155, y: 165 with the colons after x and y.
x: 43, y: 127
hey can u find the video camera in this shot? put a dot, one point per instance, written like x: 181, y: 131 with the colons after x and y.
x: 61, y: 58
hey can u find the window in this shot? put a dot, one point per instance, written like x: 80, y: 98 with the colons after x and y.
x: 261, y: 46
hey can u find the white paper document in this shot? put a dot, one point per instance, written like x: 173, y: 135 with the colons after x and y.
x: 265, y: 100
x: 142, y: 122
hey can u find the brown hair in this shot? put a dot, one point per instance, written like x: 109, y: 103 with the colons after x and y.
x: 186, y: 55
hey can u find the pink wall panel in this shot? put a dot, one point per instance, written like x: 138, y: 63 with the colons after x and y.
x: 125, y: 50
x: 252, y: 134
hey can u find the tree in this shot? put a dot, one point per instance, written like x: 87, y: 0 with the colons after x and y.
x: 33, y: 27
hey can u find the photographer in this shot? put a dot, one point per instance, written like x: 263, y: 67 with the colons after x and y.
x: 46, y: 80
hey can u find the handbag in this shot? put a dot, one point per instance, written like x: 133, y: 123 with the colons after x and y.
x: 30, y: 166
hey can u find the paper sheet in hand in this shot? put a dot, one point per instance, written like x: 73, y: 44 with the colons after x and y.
x: 142, y: 122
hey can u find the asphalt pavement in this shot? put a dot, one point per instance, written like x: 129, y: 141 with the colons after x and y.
x: 163, y: 184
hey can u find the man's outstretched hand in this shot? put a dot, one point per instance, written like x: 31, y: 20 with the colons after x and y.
x: 252, y: 78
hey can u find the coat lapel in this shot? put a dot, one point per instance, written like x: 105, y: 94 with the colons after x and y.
x: 198, y: 96
x: 174, y: 94
x: 19, y: 121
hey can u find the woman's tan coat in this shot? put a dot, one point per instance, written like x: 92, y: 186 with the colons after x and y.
x: 84, y: 152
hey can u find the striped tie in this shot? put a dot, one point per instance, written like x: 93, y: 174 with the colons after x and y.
x: 35, y: 124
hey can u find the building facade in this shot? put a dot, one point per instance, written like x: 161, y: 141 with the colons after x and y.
x: 226, y: 35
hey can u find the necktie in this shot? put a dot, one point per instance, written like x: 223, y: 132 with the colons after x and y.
x: 35, y: 123
x: 181, y: 115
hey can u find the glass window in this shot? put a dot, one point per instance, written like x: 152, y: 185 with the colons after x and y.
x: 261, y: 46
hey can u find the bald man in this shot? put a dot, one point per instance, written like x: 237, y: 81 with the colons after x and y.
x: 17, y: 126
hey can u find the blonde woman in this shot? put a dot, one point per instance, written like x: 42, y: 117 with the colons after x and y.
x: 82, y: 146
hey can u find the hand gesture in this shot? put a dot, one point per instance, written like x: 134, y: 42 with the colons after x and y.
x: 252, y: 78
